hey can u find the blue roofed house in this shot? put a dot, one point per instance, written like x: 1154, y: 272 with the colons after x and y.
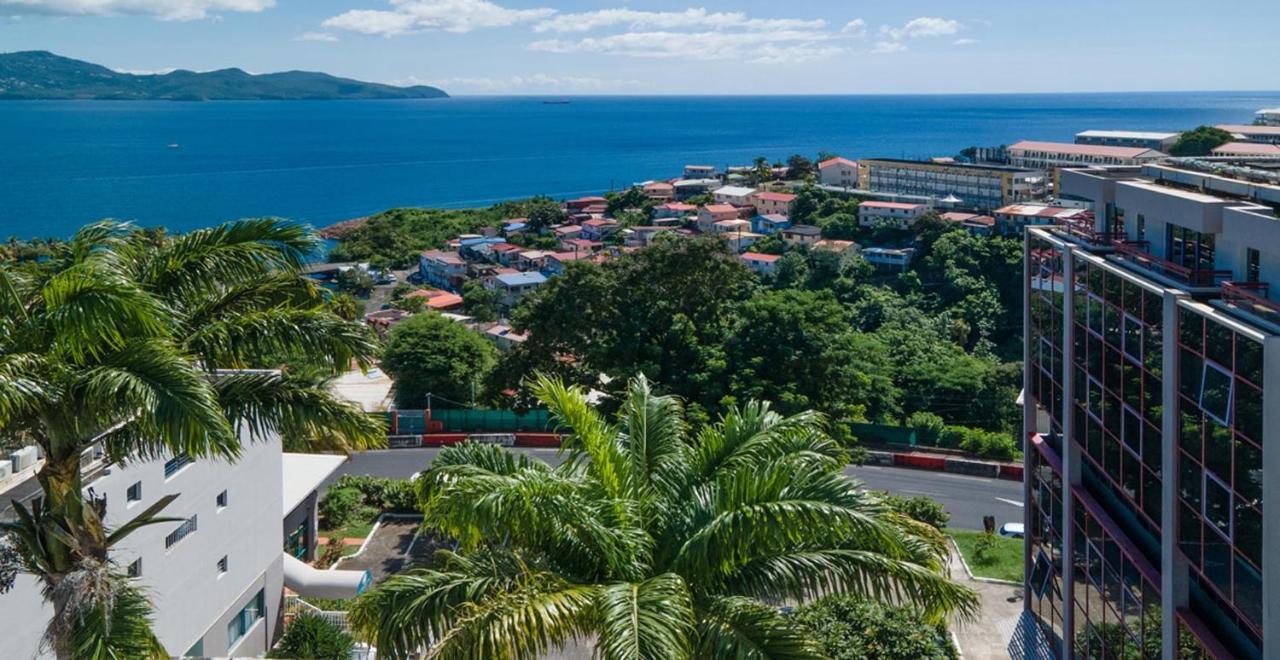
x: 511, y: 287
x: 769, y: 223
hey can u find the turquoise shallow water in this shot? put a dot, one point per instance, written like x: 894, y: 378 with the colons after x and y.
x: 66, y: 163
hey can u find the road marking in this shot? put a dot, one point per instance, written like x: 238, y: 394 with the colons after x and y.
x: 1013, y: 502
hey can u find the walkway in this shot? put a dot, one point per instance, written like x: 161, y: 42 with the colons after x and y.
x: 988, y: 637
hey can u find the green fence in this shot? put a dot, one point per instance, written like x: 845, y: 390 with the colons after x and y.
x: 469, y: 420
x: 884, y: 435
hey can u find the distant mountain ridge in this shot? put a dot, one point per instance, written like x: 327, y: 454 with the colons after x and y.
x: 38, y: 74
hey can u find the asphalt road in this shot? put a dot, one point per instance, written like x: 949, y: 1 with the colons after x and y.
x: 967, y: 499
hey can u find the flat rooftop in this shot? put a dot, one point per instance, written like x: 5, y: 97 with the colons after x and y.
x: 1128, y: 135
x: 967, y: 166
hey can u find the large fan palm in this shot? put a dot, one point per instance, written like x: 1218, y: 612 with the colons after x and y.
x: 147, y: 344
x: 650, y: 543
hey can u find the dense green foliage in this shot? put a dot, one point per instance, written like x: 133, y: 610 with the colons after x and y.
x: 382, y: 493
x: 651, y: 541
x: 1200, y: 142
x: 430, y: 354
x: 1112, y: 640
x: 310, y: 637
x: 479, y: 302
x: 342, y: 506
x: 827, y: 332
x: 854, y: 629
x: 43, y: 75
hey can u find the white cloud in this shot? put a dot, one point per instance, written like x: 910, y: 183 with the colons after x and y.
x: 695, y: 18
x: 169, y: 10
x: 925, y: 26
x: 857, y: 27
x: 887, y: 47
x: 538, y: 82
x: 964, y: 42
x: 316, y: 36
x: 420, y: 15
x: 781, y: 47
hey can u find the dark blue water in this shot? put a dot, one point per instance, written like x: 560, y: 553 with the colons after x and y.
x: 63, y: 164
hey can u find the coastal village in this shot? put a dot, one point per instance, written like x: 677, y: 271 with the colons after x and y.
x: 986, y: 191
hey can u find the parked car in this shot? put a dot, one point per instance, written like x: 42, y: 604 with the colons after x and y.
x: 1012, y: 530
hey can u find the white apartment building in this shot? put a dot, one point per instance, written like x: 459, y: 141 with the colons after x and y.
x: 902, y: 214
x: 1268, y: 116
x: 840, y: 172
x: 1157, y: 140
x: 735, y: 195
x: 216, y: 579
x: 1049, y: 155
x: 1253, y: 132
x: 954, y: 185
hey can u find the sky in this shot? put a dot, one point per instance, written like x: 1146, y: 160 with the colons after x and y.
x: 563, y: 47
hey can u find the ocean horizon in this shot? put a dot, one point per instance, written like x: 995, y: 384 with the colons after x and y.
x: 190, y: 164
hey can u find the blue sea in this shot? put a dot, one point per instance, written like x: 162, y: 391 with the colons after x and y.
x: 65, y: 163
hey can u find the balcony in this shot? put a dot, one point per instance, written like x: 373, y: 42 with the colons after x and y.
x: 1251, y: 297
x: 1138, y: 252
x: 1082, y: 230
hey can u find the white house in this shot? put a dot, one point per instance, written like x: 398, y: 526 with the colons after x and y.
x: 838, y: 171
x: 762, y: 264
x: 735, y: 195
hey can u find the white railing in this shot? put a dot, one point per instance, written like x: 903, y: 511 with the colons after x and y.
x: 295, y: 605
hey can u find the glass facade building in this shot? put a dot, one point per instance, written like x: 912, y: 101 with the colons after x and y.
x: 1150, y: 350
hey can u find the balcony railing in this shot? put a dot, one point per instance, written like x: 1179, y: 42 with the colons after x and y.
x: 1139, y: 253
x: 1252, y: 297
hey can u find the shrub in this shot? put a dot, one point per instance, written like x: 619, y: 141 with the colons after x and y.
x: 921, y: 508
x: 381, y: 493
x: 310, y: 637
x: 927, y: 424
x: 343, y: 506
x: 852, y: 629
x: 985, y: 546
x: 332, y: 553
x: 987, y: 444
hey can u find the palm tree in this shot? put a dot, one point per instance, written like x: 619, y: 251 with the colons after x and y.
x: 148, y: 344
x: 650, y: 541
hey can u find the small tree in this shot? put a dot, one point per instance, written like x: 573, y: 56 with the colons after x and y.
x: 479, y: 301
x: 311, y: 637
x: 430, y: 354
x: 1200, y: 142
x: 355, y: 280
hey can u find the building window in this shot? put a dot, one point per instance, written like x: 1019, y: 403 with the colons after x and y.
x: 222, y: 566
x: 1218, y: 511
x: 1142, y: 227
x: 222, y: 500
x: 1252, y: 266
x: 184, y: 530
x: 1132, y: 338
x: 134, y: 493
x: 135, y: 568
x: 239, y: 626
x: 173, y: 465
x: 1216, y: 390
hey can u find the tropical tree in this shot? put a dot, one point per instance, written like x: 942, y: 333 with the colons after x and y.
x: 150, y: 344
x: 650, y: 542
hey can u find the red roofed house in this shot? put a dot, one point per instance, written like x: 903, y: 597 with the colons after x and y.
x: 838, y: 171
x: 580, y: 245
x: 1049, y: 155
x: 582, y: 203
x: 769, y: 203
x: 674, y: 210
x: 976, y: 224
x: 903, y: 214
x: 710, y: 214
x: 660, y: 191
x: 762, y: 264
x: 598, y: 229
x: 436, y: 299
x: 503, y: 252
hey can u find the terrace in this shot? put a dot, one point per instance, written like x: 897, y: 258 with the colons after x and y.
x: 1081, y: 228
x: 1252, y: 297
x: 1139, y: 253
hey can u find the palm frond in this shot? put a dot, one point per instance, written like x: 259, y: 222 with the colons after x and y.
x: 230, y: 253
x: 91, y: 312
x: 645, y: 620
x: 305, y: 415
x: 541, y: 613
x: 250, y: 339
x: 737, y: 628
x: 655, y: 428
x: 590, y: 435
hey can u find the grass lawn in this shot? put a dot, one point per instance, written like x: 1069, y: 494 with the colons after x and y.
x: 356, y: 530
x: 1004, y: 563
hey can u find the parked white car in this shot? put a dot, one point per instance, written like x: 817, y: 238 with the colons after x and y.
x: 1012, y: 530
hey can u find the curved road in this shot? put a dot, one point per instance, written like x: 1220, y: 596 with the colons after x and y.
x: 966, y: 498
